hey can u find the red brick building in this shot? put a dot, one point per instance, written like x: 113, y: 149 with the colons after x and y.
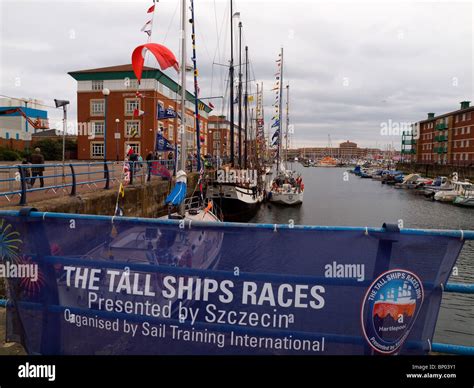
x: 218, y: 137
x: 447, y: 138
x: 112, y: 116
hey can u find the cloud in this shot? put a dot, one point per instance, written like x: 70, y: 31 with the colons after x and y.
x: 351, y: 66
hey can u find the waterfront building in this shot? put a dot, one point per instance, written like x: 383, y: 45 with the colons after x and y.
x: 346, y: 150
x: 128, y: 119
x: 447, y: 138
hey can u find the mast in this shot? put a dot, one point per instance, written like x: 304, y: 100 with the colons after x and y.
x: 240, y: 94
x: 280, y: 114
x: 231, y: 79
x: 246, y: 103
x: 287, y: 121
x: 196, y: 90
x: 183, y: 93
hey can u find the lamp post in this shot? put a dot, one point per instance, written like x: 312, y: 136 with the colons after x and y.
x: 117, y: 137
x: 63, y: 104
x: 106, y: 93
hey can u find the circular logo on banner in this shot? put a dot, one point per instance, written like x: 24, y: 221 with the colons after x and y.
x: 389, y: 310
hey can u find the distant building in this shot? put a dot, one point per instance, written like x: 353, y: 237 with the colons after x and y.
x: 17, y: 125
x: 219, y: 144
x: 97, y: 114
x: 346, y: 150
x: 447, y: 138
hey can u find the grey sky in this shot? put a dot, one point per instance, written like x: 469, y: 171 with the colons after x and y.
x: 351, y: 66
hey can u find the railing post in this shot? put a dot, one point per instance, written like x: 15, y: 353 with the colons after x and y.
x: 73, y: 175
x: 23, y: 186
x: 132, y: 171
x: 149, y: 167
x: 106, y: 176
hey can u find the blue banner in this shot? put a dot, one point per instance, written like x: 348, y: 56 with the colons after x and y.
x: 163, y: 113
x: 138, y: 286
x: 163, y: 144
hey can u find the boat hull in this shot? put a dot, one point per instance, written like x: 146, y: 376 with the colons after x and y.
x: 287, y: 199
x: 462, y: 201
x: 236, y: 203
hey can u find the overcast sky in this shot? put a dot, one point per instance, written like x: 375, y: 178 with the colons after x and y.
x: 351, y: 66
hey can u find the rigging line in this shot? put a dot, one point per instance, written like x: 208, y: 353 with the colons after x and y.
x: 171, y: 22
x: 218, y: 52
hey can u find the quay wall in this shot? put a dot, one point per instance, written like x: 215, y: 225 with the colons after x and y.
x: 140, y: 200
x: 434, y: 170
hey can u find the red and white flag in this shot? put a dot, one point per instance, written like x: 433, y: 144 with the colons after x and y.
x: 138, y: 113
x: 151, y: 9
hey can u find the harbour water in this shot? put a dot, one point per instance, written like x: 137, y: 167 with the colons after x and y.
x: 335, y: 198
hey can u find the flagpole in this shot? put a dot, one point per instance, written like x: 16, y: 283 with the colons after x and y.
x: 246, y: 104
x: 279, y: 112
x: 196, y: 97
x: 231, y: 79
x: 183, y: 94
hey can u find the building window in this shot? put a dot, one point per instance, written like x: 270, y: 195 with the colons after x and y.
x: 469, y: 115
x: 216, y: 135
x: 97, y: 85
x: 132, y: 126
x: 457, y: 118
x: 132, y: 84
x: 463, y: 117
x: 170, y: 132
x: 467, y: 143
x: 98, y: 128
x: 130, y: 105
x: 17, y: 136
x: 97, y: 149
x: 468, y: 130
x: 7, y: 135
x: 133, y: 145
x: 97, y: 107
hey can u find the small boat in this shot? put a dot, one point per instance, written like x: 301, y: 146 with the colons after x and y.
x: 459, y: 188
x: 466, y: 198
x: 287, y: 189
x: 440, y: 183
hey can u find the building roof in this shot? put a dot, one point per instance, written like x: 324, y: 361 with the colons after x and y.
x: 110, y: 69
x: 126, y: 71
x: 454, y: 112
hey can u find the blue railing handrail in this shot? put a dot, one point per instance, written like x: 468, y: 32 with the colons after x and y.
x: 22, y: 175
x: 462, y: 234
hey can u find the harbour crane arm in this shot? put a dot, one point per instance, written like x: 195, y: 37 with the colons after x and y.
x: 37, y: 124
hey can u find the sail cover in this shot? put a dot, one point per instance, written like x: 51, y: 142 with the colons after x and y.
x: 177, y: 195
x: 150, y: 286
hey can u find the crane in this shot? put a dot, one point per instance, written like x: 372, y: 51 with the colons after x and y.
x: 36, y: 124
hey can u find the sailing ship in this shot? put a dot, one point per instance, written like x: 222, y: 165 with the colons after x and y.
x: 287, y: 187
x: 238, y: 198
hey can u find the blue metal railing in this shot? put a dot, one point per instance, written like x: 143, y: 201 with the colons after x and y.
x: 22, y: 179
x: 449, y: 287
